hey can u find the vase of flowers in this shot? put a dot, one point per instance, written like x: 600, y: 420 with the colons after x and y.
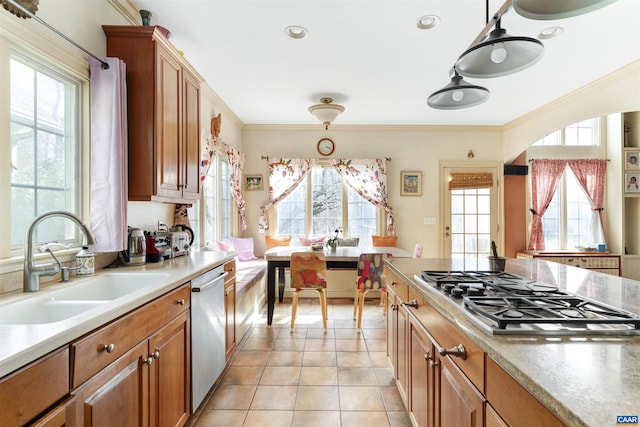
x: 332, y: 242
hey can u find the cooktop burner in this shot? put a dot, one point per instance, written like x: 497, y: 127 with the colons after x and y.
x: 505, y: 303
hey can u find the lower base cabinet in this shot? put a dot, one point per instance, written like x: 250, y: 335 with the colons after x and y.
x: 461, y: 404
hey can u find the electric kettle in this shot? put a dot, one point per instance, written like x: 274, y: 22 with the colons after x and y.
x: 136, y: 252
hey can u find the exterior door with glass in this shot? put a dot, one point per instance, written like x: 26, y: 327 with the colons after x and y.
x: 471, y: 210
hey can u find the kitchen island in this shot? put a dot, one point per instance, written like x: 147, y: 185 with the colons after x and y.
x: 586, y: 380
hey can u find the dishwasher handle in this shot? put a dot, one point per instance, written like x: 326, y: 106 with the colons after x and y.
x: 210, y: 283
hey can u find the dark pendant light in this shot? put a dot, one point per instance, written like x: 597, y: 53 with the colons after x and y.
x: 458, y: 94
x: 499, y: 54
x: 556, y: 9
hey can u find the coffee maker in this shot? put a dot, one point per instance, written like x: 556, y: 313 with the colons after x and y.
x: 136, y: 252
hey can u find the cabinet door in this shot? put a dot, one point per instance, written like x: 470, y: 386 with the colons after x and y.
x: 191, y: 134
x: 461, y: 404
x: 58, y: 417
x: 118, y: 395
x: 423, y: 386
x: 230, y: 315
x: 392, y: 321
x: 168, y: 116
x: 169, y: 383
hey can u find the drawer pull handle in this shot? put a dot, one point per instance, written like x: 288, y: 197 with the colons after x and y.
x: 180, y: 302
x: 457, y: 351
x: 156, y: 354
x: 428, y: 358
x: 148, y: 361
x: 393, y: 283
x: 570, y: 259
x: 413, y: 303
x: 109, y: 347
x: 393, y: 307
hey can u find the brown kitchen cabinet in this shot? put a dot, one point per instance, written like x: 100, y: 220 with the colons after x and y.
x: 32, y: 390
x: 163, y: 114
x: 230, y: 307
x: 441, y: 385
x: 136, y: 370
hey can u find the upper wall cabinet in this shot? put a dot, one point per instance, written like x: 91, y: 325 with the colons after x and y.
x: 164, y: 115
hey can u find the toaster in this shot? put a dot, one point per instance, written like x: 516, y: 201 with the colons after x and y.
x: 179, y: 243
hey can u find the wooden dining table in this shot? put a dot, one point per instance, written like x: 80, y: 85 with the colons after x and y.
x: 344, y: 257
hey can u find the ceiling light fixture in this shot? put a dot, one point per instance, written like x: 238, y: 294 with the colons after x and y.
x: 458, y: 94
x: 296, y: 31
x: 326, y: 112
x: 428, y: 21
x: 499, y: 54
x: 555, y: 9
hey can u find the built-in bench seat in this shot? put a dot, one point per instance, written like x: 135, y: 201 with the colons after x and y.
x: 251, y: 293
x: 248, y: 274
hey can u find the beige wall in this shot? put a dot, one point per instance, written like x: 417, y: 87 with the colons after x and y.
x: 410, y: 148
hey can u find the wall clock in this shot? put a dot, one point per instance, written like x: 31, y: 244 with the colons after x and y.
x: 326, y: 147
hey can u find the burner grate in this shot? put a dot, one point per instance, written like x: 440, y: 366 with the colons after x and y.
x: 508, y: 310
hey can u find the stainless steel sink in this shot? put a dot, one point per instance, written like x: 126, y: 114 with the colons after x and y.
x: 50, y: 306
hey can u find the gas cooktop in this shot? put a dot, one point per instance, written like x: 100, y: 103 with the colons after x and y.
x: 505, y: 303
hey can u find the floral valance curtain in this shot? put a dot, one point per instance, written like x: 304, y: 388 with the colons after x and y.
x: 236, y: 165
x: 284, y: 176
x: 369, y: 178
x: 545, y: 175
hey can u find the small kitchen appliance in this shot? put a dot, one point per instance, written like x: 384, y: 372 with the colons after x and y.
x: 181, y: 239
x: 158, y: 246
x: 136, y: 252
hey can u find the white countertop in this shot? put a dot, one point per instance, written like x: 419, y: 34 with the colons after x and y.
x: 585, y: 381
x: 22, y: 344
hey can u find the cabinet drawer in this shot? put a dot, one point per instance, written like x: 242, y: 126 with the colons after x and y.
x: 97, y: 350
x: 397, y: 285
x: 447, y: 336
x: 230, y: 267
x: 34, y: 388
x: 513, y: 402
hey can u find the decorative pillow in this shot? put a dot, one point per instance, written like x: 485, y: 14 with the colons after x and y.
x: 244, y: 248
x: 224, y: 245
x: 272, y: 242
x: 388, y: 241
x: 309, y: 241
x: 349, y: 241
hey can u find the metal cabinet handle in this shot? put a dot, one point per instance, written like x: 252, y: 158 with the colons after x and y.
x: 457, y: 351
x: 413, y: 303
x: 570, y: 259
x: 148, y: 361
x: 156, y: 354
x: 393, y: 283
x: 109, y: 347
x: 180, y: 302
x: 393, y: 307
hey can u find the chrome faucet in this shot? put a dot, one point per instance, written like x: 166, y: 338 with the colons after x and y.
x: 32, y: 272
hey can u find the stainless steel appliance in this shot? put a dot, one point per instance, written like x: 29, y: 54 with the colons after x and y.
x: 505, y: 303
x: 207, y: 333
x: 179, y: 241
x: 136, y: 252
x: 158, y: 246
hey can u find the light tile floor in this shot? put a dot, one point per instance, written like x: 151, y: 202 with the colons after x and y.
x: 306, y: 377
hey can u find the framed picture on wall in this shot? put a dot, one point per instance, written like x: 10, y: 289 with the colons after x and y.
x: 410, y: 183
x: 632, y: 160
x: 253, y: 182
x: 632, y: 182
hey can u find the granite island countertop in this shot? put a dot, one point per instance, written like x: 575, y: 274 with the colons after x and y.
x: 22, y: 344
x: 584, y: 380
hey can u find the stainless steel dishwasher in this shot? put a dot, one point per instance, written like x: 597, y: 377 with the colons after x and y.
x: 207, y: 333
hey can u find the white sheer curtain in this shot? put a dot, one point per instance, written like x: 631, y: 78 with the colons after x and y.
x: 284, y: 176
x: 109, y: 160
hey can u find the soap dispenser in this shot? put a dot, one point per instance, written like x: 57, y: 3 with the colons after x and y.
x: 85, y: 262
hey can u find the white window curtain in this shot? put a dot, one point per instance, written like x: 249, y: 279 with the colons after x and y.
x: 109, y: 160
x: 369, y: 178
x: 284, y: 176
x: 236, y: 165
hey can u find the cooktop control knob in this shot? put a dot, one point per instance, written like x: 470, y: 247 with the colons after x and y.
x: 448, y: 287
x: 457, y: 292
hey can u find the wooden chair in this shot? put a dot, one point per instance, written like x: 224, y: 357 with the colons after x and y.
x: 308, y: 272
x: 370, y: 278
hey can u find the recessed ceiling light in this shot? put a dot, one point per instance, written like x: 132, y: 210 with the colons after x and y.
x: 551, y: 32
x: 295, y: 31
x: 428, y: 21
